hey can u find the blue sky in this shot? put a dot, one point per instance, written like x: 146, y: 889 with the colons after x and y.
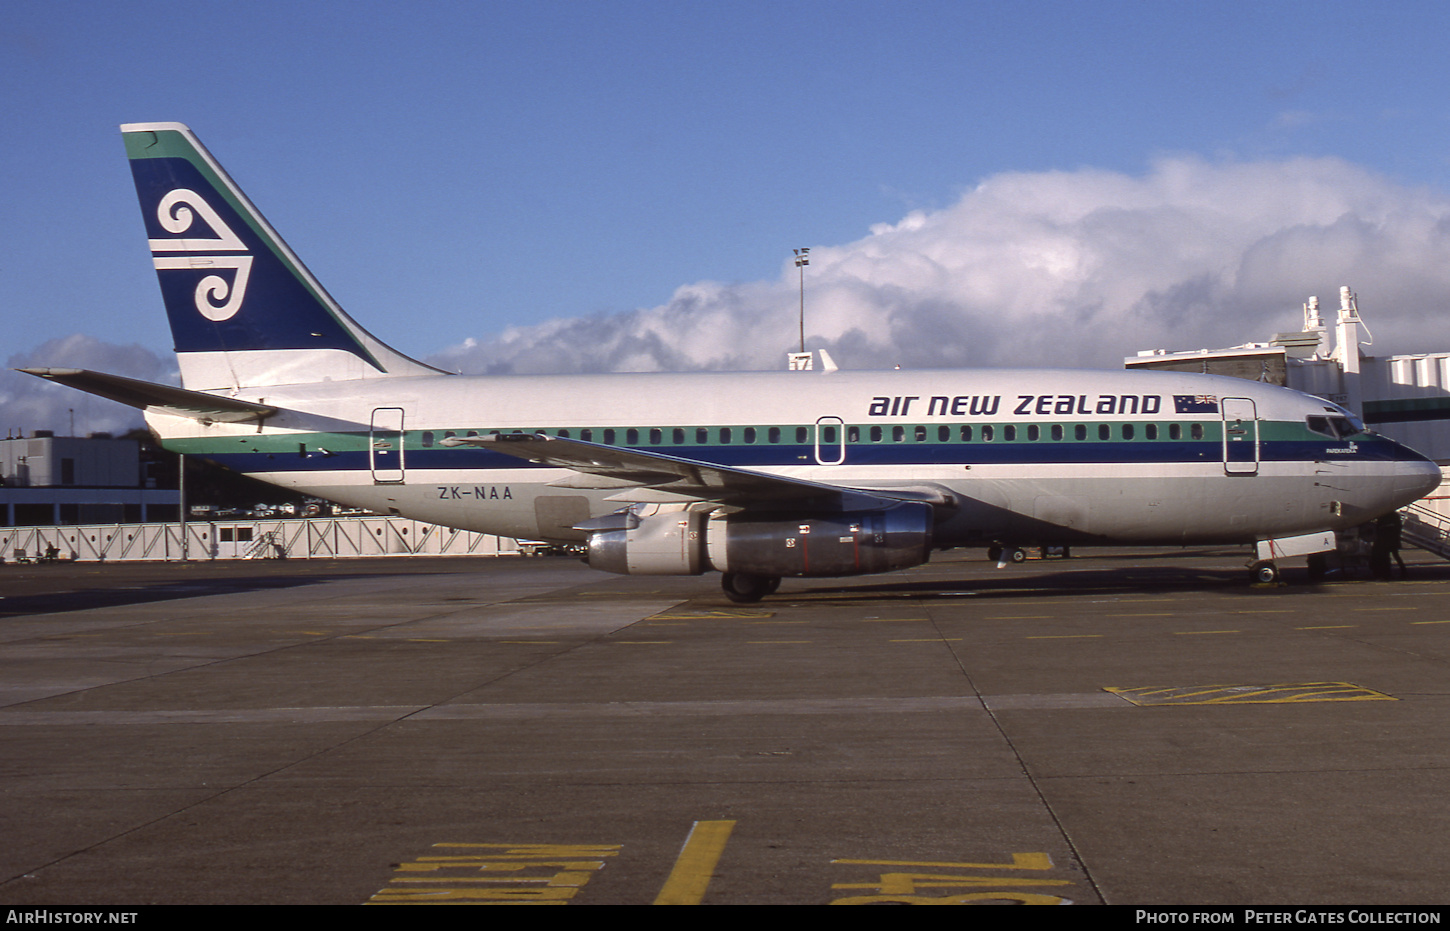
x: 450, y: 170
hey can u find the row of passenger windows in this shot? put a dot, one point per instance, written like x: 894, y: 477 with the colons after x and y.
x: 920, y: 433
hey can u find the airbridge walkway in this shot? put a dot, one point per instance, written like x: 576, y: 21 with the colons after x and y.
x: 303, y: 538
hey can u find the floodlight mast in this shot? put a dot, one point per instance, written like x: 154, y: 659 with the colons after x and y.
x: 802, y: 259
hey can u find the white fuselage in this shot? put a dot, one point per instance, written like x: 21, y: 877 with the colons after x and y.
x: 1024, y: 455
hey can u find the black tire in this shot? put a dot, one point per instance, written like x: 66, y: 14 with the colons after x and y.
x: 1019, y: 555
x: 1265, y: 572
x: 744, y: 588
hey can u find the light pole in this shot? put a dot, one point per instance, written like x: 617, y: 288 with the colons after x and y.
x: 802, y: 259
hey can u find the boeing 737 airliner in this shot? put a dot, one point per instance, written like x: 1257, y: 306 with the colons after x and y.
x: 757, y: 475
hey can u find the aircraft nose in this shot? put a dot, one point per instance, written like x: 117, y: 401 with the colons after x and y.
x: 1416, y: 477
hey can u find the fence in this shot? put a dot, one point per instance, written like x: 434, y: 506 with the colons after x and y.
x: 251, y: 539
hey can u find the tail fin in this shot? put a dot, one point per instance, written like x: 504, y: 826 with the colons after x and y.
x: 244, y: 310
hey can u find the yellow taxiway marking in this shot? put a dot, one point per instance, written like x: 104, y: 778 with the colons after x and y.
x: 705, y: 615
x: 1064, y: 636
x: 890, y: 620
x: 1019, y: 617
x: 695, y: 866
x: 929, y: 640
x: 780, y: 641
x: 1336, y: 626
x: 1408, y: 608
x: 530, y: 642
x: 1284, y: 693
x: 1430, y: 622
x: 1193, y: 633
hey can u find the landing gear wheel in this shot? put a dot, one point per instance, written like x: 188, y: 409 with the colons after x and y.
x: 1019, y: 555
x: 744, y: 588
x: 1265, y: 572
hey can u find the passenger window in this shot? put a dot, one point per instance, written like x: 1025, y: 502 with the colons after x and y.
x: 1175, y: 431
x: 1033, y: 432
x: 702, y: 436
x: 1009, y: 433
x: 773, y: 435
x: 853, y: 434
x: 828, y: 435
x: 1150, y: 431
x: 1105, y: 432
x: 1127, y: 431
x: 677, y: 436
x: 586, y: 435
x: 898, y: 434
x: 631, y: 437
x: 919, y: 433
x: 1057, y: 431
x: 656, y: 436
x: 802, y: 435
x: 875, y: 434
x: 725, y: 434
x: 966, y: 433
x: 1080, y: 431
x: 750, y: 434
x: 608, y: 437
x: 563, y: 434
x: 427, y: 438
x: 943, y: 434
x: 987, y: 433
x: 1195, y: 431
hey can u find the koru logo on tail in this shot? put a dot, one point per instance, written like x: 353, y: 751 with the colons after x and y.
x: 216, y: 299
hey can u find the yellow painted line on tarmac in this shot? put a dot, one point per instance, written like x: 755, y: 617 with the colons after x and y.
x: 1020, y: 617
x: 643, y: 642
x: 1266, y: 611
x: 532, y: 642
x: 706, y: 615
x: 1334, y: 626
x: 1430, y: 622
x: 695, y: 866
x: 890, y: 620
x: 1064, y: 637
x: 929, y: 640
x: 1194, y: 633
x: 1169, y: 614
x: 1284, y: 693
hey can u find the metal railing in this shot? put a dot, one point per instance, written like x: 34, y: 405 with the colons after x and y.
x: 1427, y: 528
x: 303, y: 538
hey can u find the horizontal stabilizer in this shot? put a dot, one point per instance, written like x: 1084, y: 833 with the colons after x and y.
x: 149, y: 396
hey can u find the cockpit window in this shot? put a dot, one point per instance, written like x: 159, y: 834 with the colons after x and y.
x: 1334, y: 425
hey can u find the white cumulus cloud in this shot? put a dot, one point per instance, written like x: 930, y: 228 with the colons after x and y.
x: 1065, y: 268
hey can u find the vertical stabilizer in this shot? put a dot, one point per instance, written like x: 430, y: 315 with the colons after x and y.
x: 244, y: 310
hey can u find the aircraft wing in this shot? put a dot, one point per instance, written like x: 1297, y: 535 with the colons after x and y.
x: 650, y: 476
x: 196, y: 405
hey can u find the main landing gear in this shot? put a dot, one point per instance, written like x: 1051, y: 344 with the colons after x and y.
x: 1265, y: 572
x: 744, y: 588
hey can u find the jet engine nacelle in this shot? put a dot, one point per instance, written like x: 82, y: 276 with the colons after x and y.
x: 685, y: 543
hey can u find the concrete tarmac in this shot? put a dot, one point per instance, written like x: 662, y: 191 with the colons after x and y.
x: 417, y: 731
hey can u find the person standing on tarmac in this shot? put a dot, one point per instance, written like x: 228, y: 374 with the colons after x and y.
x: 1386, y: 544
